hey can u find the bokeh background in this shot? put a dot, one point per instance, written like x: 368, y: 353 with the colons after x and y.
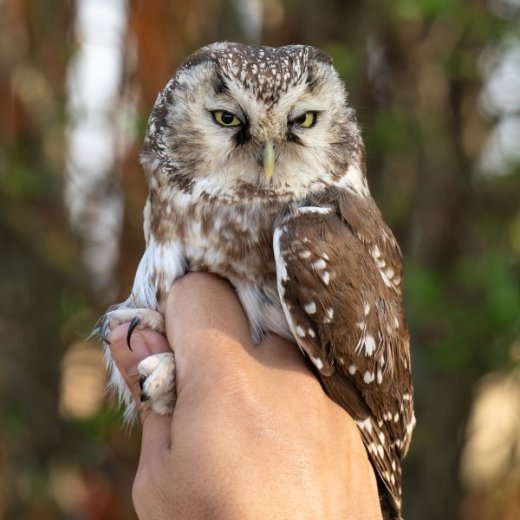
x: 437, y: 88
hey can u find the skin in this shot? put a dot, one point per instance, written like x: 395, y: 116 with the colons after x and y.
x: 253, y: 435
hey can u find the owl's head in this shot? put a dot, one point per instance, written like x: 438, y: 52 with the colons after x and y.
x: 237, y: 120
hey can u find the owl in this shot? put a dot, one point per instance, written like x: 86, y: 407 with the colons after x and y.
x: 256, y: 172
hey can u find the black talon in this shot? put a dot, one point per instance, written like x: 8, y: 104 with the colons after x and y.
x: 142, y: 379
x: 143, y: 397
x: 133, y: 324
x: 101, y: 331
x: 103, y: 336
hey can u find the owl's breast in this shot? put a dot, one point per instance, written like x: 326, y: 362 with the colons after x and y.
x: 232, y: 240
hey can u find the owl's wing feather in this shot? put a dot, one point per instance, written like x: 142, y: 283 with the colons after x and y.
x: 338, y: 274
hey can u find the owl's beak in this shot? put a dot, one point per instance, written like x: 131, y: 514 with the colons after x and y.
x: 268, y: 160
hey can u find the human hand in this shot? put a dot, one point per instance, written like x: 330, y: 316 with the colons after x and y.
x: 253, y: 434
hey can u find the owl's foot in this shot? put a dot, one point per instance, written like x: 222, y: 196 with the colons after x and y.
x: 138, y: 318
x: 157, y: 382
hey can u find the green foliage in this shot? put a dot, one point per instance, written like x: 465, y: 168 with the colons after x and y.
x: 457, y: 11
x: 344, y: 59
x: 469, y: 315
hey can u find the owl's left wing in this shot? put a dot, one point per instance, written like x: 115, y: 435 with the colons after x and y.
x: 338, y: 273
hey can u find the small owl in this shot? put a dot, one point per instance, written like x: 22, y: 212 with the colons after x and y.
x: 256, y: 172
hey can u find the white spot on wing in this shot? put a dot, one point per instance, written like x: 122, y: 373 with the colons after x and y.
x: 370, y: 345
x: 376, y: 253
x: 368, y: 377
x: 325, y: 276
x: 281, y: 270
x: 365, y: 425
x: 410, y: 426
x: 281, y: 266
x: 318, y: 363
x: 380, y: 263
x: 314, y: 209
x: 385, y: 279
x: 319, y: 264
x: 310, y: 308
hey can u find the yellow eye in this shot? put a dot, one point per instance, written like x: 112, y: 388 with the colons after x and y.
x: 306, y: 120
x: 224, y: 118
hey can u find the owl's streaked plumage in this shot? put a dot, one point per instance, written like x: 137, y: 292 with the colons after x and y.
x: 256, y: 172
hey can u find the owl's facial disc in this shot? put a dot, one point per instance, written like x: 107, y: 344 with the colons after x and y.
x: 263, y: 119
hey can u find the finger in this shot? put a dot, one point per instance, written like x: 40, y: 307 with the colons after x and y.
x: 145, y: 342
x: 200, y: 301
x: 206, y: 323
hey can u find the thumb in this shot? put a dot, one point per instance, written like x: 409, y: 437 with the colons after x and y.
x: 145, y: 342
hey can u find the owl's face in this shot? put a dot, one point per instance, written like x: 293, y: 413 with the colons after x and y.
x: 238, y: 120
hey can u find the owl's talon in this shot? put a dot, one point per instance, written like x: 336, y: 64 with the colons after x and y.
x: 133, y: 324
x: 143, y: 397
x: 103, y: 335
x: 142, y: 379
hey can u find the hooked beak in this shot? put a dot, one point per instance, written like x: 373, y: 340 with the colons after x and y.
x: 268, y: 160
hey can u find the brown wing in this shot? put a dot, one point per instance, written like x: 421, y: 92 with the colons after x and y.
x: 339, y: 280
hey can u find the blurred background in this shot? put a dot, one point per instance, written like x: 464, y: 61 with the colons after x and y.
x: 437, y: 88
